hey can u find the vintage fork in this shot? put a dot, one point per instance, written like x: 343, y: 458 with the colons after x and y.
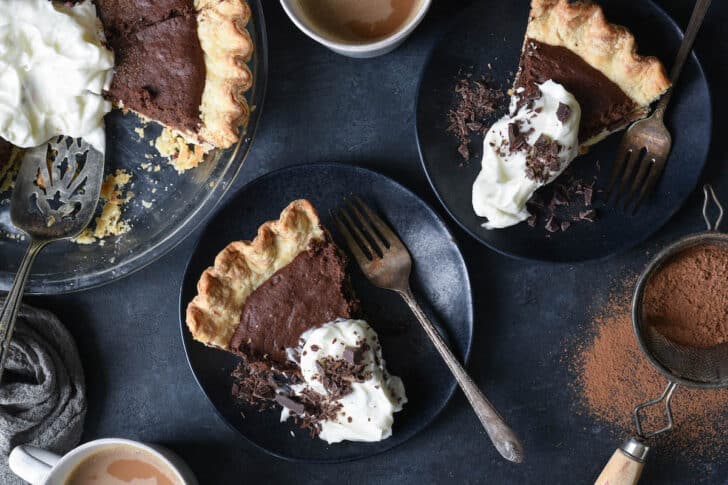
x: 646, y: 144
x: 387, y: 264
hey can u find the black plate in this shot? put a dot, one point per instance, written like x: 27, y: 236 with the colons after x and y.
x: 440, y: 279
x: 492, y: 32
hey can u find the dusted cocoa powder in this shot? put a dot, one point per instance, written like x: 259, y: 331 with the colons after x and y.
x: 687, y: 299
x: 613, y: 376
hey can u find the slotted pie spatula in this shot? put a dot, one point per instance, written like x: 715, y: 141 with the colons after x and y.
x: 55, y: 197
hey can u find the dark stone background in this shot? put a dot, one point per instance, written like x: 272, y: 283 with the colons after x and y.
x: 324, y: 107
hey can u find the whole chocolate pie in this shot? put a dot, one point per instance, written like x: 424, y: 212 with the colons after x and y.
x: 572, y: 44
x: 182, y: 63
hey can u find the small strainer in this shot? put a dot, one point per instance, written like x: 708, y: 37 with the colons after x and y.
x: 704, y: 368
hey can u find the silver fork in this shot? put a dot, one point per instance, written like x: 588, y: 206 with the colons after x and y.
x: 647, y: 143
x: 388, y: 265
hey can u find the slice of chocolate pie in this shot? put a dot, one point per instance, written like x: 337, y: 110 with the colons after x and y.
x: 283, y: 303
x: 572, y: 44
x: 182, y: 63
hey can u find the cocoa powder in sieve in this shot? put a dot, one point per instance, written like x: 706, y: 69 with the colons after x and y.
x: 613, y: 376
x: 687, y: 299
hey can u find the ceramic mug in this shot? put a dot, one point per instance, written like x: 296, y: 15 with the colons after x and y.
x: 40, y: 467
x: 371, y: 49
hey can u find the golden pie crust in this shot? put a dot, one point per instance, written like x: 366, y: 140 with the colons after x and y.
x: 243, y: 266
x: 227, y: 47
x: 582, y: 28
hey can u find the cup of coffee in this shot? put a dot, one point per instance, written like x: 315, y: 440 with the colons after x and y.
x: 107, y: 461
x: 357, y: 28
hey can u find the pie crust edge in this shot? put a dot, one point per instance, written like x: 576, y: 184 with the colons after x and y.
x: 243, y: 266
x: 227, y: 47
x: 582, y: 28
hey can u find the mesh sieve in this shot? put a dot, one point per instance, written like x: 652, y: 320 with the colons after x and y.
x: 682, y: 365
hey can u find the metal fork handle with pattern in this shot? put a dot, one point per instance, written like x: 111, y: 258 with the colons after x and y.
x: 388, y: 265
x: 502, y: 436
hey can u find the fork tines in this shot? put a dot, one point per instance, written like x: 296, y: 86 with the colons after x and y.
x: 366, y: 234
x: 638, y: 165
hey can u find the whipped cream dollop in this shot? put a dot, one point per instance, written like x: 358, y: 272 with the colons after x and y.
x: 342, y: 367
x: 53, y: 70
x: 524, y: 151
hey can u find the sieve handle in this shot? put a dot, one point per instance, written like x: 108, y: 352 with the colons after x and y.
x: 626, y: 464
x: 708, y: 194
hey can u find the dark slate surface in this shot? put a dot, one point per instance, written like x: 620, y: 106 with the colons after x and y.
x: 321, y: 106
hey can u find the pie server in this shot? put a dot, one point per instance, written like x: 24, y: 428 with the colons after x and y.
x: 54, y: 198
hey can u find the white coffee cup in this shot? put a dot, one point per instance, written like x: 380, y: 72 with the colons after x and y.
x: 40, y: 467
x: 371, y: 49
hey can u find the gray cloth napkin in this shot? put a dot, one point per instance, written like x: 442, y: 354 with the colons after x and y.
x: 43, y: 393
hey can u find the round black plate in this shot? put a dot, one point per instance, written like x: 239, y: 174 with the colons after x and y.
x: 492, y: 32
x: 440, y: 279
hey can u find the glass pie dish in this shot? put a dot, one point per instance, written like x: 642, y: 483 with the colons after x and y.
x: 166, y: 206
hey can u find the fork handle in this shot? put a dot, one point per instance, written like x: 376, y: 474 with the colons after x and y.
x: 13, y: 300
x: 504, y: 439
x: 696, y: 20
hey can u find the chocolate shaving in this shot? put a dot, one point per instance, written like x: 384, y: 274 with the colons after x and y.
x: 588, y: 215
x: 291, y: 404
x: 588, y: 194
x: 353, y: 355
x: 560, y: 196
x: 337, y: 375
x: 552, y: 225
x: 256, y: 382
x: 516, y: 138
x: 477, y: 102
x: 563, y: 112
x: 543, y: 159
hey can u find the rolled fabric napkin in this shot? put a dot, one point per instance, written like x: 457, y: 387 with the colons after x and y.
x: 43, y: 393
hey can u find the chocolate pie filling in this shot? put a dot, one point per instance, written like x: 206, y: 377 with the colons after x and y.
x: 160, y: 73
x: 311, y: 290
x: 603, y: 104
x: 124, y: 17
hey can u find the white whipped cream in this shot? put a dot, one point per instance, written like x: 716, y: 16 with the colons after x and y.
x: 367, y: 412
x: 502, y: 188
x: 53, y: 69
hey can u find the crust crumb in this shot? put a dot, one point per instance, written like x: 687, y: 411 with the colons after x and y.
x: 114, y: 195
x: 182, y: 155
